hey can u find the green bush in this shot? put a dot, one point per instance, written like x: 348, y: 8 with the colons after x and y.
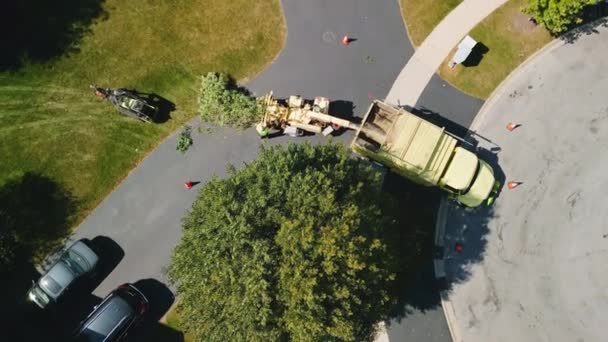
x: 223, y: 103
x: 294, y: 246
x: 7, y: 251
x: 184, y: 139
x: 557, y: 15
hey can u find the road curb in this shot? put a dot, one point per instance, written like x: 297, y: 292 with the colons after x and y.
x: 439, y: 261
x: 439, y: 267
x: 554, y: 44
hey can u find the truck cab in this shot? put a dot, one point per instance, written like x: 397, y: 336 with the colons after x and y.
x: 468, y: 178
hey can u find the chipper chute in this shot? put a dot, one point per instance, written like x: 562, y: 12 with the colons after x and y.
x: 298, y: 115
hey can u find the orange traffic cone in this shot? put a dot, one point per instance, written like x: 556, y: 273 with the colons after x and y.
x: 188, y: 185
x: 345, y: 40
x: 512, y: 185
x: 511, y: 126
x: 458, y: 247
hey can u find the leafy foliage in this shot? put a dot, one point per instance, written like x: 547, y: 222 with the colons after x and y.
x: 291, y: 247
x: 557, y: 15
x: 184, y: 139
x: 223, y: 103
x: 7, y: 251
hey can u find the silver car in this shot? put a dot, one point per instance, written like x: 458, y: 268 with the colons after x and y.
x: 75, y: 262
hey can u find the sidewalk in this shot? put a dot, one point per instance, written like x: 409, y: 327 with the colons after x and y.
x: 428, y: 57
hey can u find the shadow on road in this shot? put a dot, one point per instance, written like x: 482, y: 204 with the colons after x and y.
x: 110, y: 254
x: 343, y: 110
x: 467, y: 228
x: 159, y: 295
x: 161, y: 298
x: 594, y: 17
x: 412, y: 245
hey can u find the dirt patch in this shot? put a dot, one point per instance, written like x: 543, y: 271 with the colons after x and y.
x: 521, y: 22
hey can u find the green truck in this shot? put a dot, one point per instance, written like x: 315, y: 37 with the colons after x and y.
x: 424, y: 153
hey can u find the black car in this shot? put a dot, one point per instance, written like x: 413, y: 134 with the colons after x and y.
x: 112, y: 319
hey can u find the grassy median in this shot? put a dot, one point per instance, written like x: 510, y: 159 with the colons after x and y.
x: 52, y: 125
x: 506, y: 39
x: 421, y: 16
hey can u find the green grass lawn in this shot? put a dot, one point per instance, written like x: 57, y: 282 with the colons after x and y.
x: 52, y: 124
x: 421, y: 16
x: 510, y: 39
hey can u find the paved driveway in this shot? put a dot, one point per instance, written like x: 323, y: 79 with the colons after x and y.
x: 535, y: 269
x: 314, y: 61
x: 143, y: 214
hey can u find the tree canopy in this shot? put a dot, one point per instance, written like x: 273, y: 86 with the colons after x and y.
x: 293, y: 246
x: 557, y: 15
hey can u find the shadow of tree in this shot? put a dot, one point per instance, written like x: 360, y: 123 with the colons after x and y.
x: 594, y: 17
x: 34, y: 220
x: 39, y: 30
x: 468, y: 227
x: 34, y: 213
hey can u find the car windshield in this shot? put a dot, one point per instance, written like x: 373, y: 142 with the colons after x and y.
x: 75, y: 262
x: 50, y: 284
x: 466, y: 191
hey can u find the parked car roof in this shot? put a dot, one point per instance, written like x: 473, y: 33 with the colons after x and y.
x: 117, y: 313
x: 84, y: 252
x: 110, y: 315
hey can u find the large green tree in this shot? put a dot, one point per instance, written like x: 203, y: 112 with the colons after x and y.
x: 293, y: 246
x: 557, y: 15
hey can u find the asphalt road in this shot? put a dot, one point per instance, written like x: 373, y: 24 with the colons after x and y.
x: 142, y: 216
x: 534, y: 267
x: 314, y: 62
